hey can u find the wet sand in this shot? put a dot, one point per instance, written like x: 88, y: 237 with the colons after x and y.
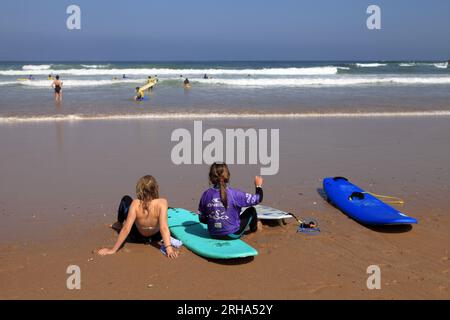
x: 61, y: 183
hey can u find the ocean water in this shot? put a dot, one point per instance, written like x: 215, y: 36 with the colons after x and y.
x: 96, y: 90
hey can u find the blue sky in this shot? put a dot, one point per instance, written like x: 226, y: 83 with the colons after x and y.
x: 147, y: 30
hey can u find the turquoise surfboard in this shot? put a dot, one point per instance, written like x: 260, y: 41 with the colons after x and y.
x: 185, y: 226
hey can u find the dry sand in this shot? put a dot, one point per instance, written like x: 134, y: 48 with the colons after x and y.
x: 61, y: 183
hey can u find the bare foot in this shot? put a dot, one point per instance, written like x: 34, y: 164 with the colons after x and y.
x: 259, y: 226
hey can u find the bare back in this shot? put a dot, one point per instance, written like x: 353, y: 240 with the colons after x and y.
x: 57, y: 83
x: 147, y: 221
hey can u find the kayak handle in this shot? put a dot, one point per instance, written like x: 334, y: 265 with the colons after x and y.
x: 340, y: 178
x: 356, y: 195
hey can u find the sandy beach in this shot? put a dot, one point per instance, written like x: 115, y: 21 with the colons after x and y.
x: 61, y: 182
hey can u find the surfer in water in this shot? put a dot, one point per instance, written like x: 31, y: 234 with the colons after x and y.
x: 57, y: 85
x: 139, y: 94
x: 143, y: 219
x: 220, y: 206
x: 149, y: 80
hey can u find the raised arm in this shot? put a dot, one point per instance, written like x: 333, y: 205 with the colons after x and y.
x: 244, y: 199
x: 124, y: 232
x: 164, y: 228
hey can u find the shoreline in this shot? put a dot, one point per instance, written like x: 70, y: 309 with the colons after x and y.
x: 224, y: 116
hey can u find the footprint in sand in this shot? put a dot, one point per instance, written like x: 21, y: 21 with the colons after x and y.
x: 322, y: 287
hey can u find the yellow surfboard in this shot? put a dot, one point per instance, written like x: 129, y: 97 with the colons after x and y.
x: 148, y: 85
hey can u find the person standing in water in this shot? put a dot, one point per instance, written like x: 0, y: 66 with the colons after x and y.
x: 187, y: 84
x: 57, y: 85
x: 139, y: 94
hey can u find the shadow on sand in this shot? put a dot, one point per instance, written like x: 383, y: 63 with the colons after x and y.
x: 399, y: 228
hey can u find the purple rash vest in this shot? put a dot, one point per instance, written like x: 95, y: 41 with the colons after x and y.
x: 223, y: 221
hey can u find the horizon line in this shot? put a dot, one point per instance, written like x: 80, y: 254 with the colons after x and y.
x: 227, y: 60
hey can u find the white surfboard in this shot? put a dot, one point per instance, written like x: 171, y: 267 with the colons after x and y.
x: 269, y: 213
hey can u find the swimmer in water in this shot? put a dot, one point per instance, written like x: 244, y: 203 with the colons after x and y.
x: 57, y: 85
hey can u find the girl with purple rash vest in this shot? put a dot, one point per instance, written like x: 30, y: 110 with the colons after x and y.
x: 220, y: 205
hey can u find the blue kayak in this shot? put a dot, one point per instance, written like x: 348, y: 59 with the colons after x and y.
x: 360, y: 205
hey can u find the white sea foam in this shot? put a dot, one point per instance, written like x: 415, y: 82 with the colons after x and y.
x: 326, y: 81
x: 7, y: 83
x: 36, y: 67
x: 316, y: 81
x: 443, y: 65
x: 95, y: 66
x: 79, y: 83
x: 370, y: 65
x: 219, y: 116
x: 186, y: 72
x: 407, y: 64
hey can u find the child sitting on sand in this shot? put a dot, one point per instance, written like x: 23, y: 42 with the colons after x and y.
x: 143, y: 219
x: 220, y: 206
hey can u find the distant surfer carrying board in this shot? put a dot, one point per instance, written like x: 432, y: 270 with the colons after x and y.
x: 139, y: 94
x: 150, y: 80
x: 220, y: 205
x: 57, y: 85
x: 148, y: 86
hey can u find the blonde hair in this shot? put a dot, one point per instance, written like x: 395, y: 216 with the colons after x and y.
x: 147, y: 189
x: 219, y: 175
